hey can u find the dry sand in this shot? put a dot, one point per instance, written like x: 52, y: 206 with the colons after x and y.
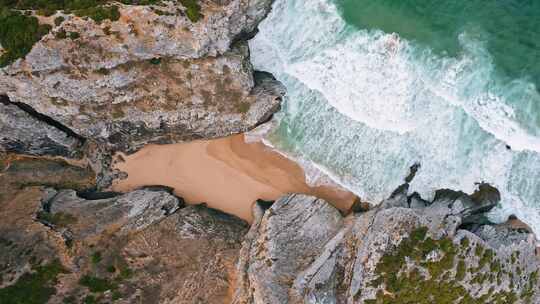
x: 226, y: 173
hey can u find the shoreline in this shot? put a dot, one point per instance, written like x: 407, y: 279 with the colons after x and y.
x: 227, y: 173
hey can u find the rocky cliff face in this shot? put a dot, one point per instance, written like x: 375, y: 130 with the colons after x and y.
x: 301, y: 250
x: 148, y: 247
x: 140, y: 247
x: 163, y: 73
x: 151, y: 74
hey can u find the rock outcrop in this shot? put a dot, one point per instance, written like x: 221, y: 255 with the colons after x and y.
x: 152, y: 76
x: 23, y: 133
x: 406, y: 250
x: 141, y: 247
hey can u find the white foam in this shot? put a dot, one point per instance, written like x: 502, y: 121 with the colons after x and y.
x: 364, y: 105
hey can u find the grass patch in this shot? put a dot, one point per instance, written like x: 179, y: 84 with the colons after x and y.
x: 35, y: 287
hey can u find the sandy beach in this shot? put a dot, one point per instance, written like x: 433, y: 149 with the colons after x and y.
x: 227, y: 174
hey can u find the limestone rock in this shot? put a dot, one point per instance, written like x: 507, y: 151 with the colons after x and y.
x: 129, y: 212
x: 281, y: 243
x: 193, y: 252
x: 149, y: 77
x: 18, y: 171
x: 134, y: 248
x: 24, y: 134
x: 392, y: 253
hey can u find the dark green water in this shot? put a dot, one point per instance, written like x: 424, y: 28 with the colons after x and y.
x: 509, y: 28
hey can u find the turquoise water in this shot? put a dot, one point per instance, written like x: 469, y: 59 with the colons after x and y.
x: 511, y: 29
x: 376, y: 86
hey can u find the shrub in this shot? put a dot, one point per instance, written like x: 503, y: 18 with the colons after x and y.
x: 95, y: 284
x: 193, y: 9
x: 155, y: 61
x: 74, y: 35
x: 35, y: 287
x: 58, y: 20
x: 100, y: 13
x: 95, y: 258
x: 18, y: 34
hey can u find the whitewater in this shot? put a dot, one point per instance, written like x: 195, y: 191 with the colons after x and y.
x: 365, y: 105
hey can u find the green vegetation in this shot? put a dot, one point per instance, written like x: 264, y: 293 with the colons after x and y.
x: 411, y: 284
x: 95, y: 258
x: 89, y: 299
x: 100, y: 13
x: 61, y: 34
x: 461, y: 270
x: 35, y: 287
x: 18, y: 34
x: 74, y: 35
x: 19, y: 30
x: 95, y: 9
x: 125, y: 273
x: 193, y: 9
x: 58, y: 20
x: 111, y: 269
x: 243, y: 107
x: 155, y: 61
x: 59, y: 219
x: 95, y: 284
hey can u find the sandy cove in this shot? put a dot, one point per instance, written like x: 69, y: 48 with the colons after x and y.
x: 227, y: 174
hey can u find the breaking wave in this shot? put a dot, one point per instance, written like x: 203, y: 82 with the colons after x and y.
x: 365, y: 105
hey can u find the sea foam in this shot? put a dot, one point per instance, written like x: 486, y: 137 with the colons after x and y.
x: 365, y: 105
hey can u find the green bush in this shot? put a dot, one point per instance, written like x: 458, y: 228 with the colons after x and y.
x: 74, y: 35
x: 193, y: 9
x: 58, y: 20
x: 18, y: 34
x: 95, y: 284
x: 35, y: 287
x: 398, y: 272
x: 100, y: 13
x: 96, y: 258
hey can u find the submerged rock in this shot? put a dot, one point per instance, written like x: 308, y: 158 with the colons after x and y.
x: 390, y: 254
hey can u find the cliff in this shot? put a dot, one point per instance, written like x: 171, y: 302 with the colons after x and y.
x: 406, y: 250
x: 147, y: 246
x: 107, y: 77
x: 85, y: 79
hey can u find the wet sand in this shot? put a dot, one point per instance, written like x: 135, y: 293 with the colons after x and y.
x: 226, y: 173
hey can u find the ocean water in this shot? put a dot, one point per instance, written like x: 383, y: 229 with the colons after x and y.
x: 375, y: 86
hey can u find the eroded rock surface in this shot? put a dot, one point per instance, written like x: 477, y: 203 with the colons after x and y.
x: 405, y: 251
x: 149, y: 77
x: 272, y: 254
x: 22, y: 133
x: 140, y: 247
